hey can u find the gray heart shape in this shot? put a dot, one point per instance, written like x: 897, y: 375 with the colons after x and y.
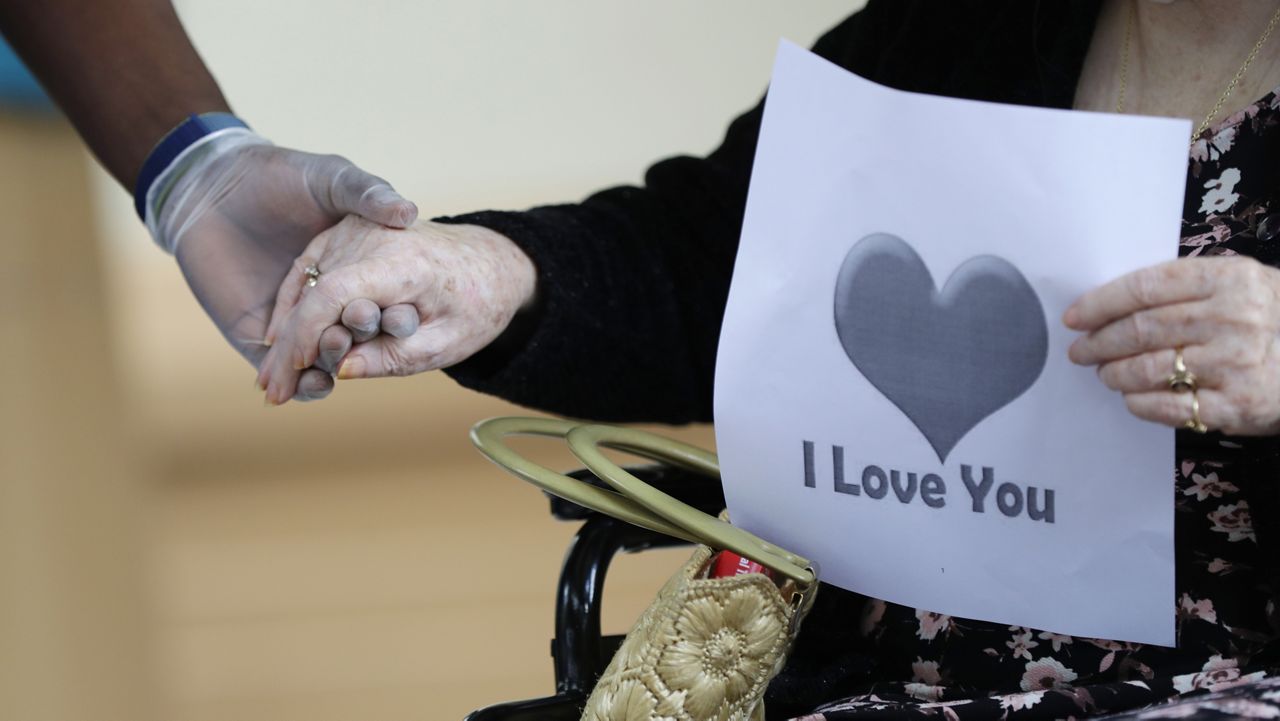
x: 946, y: 359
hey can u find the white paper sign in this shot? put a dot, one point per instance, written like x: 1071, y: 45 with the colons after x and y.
x: 893, y: 395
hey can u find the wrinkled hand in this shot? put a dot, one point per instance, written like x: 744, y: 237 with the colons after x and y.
x: 237, y: 220
x: 1224, y: 312
x: 464, y: 282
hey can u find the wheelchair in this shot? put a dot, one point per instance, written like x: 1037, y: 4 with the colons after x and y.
x: 579, y: 651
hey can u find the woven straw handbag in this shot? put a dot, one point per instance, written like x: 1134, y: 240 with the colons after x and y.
x: 707, y: 647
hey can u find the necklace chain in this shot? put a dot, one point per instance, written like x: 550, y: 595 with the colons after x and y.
x: 1231, y: 86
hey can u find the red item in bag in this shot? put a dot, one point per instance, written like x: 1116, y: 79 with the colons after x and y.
x: 728, y: 563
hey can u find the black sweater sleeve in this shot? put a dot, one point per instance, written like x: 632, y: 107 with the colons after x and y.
x: 632, y: 285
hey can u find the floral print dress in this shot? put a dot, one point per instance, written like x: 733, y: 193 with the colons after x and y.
x: 896, y: 662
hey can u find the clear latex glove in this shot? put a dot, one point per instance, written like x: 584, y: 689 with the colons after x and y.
x: 236, y: 211
x: 465, y: 282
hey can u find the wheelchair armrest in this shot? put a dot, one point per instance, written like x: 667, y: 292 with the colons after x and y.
x: 701, y: 492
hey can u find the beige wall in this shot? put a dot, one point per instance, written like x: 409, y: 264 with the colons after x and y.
x: 352, y: 558
x: 73, y: 617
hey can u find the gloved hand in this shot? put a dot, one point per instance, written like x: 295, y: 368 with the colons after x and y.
x: 465, y: 282
x: 236, y: 214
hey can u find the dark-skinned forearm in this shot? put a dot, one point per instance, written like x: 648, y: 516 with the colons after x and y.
x: 123, y: 71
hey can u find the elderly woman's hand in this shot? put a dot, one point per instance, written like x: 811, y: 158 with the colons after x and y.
x: 464, y: 282
x: 1223, y: 312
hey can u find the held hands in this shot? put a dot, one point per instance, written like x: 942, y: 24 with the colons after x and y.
x: 448, y: 291
x: 237, y: 218
x: 1224, y: 315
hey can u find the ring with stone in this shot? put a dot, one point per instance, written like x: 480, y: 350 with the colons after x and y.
x: 313, y: 275
x: 1181, y: 380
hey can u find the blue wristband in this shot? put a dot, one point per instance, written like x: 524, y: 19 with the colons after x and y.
x: 172, y: 145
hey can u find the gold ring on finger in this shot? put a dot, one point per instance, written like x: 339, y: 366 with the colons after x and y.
x: 1181, y: 380
x: 1194, y: 423
x: 313, y: 275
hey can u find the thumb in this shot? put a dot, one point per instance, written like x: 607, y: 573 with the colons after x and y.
x: 352, y: 191
x: 382, y: 204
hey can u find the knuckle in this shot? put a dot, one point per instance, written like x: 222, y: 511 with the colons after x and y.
x: 1150, y: 369
x: 1183, y: 322
x: 393, y: 361
x: 331, y: 290
x: 1247, y: 277
x: 1217, y: 269
x: 1204, y: 279
x: 1139, y: 326
x: 1251, y: 315
x: 1150, y: 407
x: 1142, y: 285
x: 404, y: 363
x: 1244, y: 268
x: 1172, y: 409
x: 398, y: 365
x: 1243, y: 272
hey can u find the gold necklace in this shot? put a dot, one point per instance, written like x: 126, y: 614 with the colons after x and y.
x: 1231, y: 86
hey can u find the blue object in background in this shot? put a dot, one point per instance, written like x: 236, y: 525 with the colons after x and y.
x: 18, y: 89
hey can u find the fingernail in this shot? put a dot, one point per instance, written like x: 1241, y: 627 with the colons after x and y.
x: 1071, y: 317
x: 269, y: 341
x: 350, y: 368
